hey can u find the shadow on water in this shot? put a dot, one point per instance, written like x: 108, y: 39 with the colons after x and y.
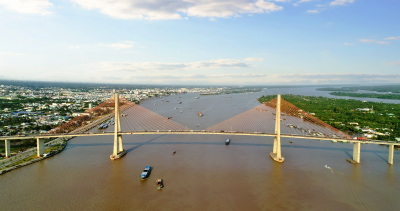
x: 348, y: 154
x: 141, y: 144
x: 150, y: 142
x: 347, y: 151
x: 376, y: 153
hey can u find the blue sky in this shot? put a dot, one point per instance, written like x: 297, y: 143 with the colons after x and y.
x: 236, y: 42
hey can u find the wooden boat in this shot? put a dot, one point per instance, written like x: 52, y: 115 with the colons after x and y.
x: 160, y: 184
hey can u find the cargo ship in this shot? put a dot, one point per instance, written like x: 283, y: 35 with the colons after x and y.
x: 200, y: 113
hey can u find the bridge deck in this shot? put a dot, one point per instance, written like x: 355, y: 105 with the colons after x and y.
x: 199, y: 132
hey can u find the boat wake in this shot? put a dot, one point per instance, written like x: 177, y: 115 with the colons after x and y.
x: 326, y: 166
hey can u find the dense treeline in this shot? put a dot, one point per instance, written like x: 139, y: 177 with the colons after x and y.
x: 367, y: 95
x: 19, y: 103
x: 14, y: 121
x: 386, y: 88
x: 339, y: 112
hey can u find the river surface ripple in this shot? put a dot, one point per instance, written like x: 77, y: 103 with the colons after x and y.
x: 205, y: 174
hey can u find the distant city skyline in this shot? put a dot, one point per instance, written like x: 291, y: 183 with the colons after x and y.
x: 188, y: 42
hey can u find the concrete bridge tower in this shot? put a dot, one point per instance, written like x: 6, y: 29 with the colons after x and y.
x: 276, y: 153
x: 118, y: 152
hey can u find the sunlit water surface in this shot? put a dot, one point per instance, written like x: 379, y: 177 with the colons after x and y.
x: 205, y: 174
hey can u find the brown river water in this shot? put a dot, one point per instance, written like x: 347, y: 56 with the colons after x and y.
x: 205, y: 174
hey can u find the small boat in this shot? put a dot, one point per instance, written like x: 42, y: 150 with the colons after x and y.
x: 146, y: 173
x: 334, y: 141
x: 290, y: 142
x: 227, y: 141
x: 176, y: 108
x: 234, y: 104
x: 181, y: 111
x: 154, y: 104
x: 170, y: 117
x: 174, y: 152
x: 160, y: 184
x: 200, y: 114
x: 180, y: 102
x: 197, y: 97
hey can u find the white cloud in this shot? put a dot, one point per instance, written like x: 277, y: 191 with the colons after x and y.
x: 174, y: 9
x: 250, y: 59
x: 312, y: 11
x: 367, y: 40
x: 393, y: 38
x: 160, y: 66
x: 346, y: 43
x: 200, y: 76
x: 382, y: 42
x: 340, y: 2
x: 117, y: 45
x: 374, y: 41
x: 28, y: 6
x: 301, y: 1
x: 397, y: 62
x: 75, y: 47
x: 11, y: 54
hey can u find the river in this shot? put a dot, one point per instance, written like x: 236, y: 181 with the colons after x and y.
x: 205, y: 174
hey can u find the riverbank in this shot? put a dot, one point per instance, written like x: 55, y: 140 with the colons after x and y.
x: 367, y: 95
x: 33, y: 158
x: 29, y: 156
x: 350, y: 116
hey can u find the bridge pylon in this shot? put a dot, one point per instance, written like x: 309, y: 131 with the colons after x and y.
x: 118, y: 152
x: 276, y: 153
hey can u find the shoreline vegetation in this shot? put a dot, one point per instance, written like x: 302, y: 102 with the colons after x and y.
x: 350, y: 116
x: 51, y: 151
x: 384, y: 88
x: 367, y: 95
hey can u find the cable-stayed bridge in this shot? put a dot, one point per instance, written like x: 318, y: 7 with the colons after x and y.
x: 277, y: 118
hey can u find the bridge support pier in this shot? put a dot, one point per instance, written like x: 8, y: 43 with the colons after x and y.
x: 117, y: 152
x: 391, y: 152
x: 276, y: 153
x: 8, y: 149
x: 40, y: 147
x: 356, y: 152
